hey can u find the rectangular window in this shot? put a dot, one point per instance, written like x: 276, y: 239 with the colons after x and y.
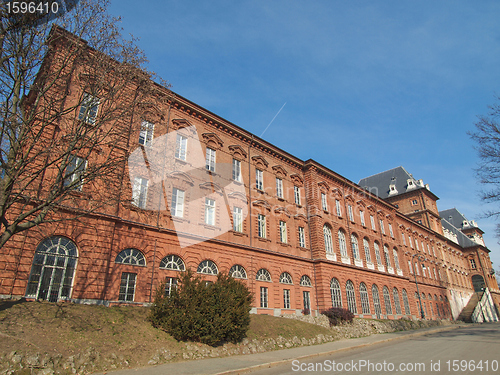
x: 140, y: 192
x: 259, y: 179
x: 414, y: 202
x: 338, y: 208
x: 263, y: 297
x: 170, y: 284
x: 404, y: 238
x: 411, y: 243
x: 302, y: 237
x: 210, y: 160
x: 286, y: 298
x: 307, y: 301
x: 236, y: 170
x: 88, y: 109
x: 416, y: 245
x: 423, y: 271
x: 390, y: 230
x: 279, y: 187
x: 73, y: 176
x: 349, y: 212
x: 417, y: 270
x: 262, y: 225
x: 237, y: 219
x: 209, y: 211
x: 177, y: 203
x: 283, y: 237
x: 296, y: 193
x: 410, y: 268
x: 324, y: 204
x: 362, y: 217
x: 372, y: 221
x: 472, y: 264
x: 127, y: 287
x: 146, y: 134
x: 382, y: 229
x: 181, y: 147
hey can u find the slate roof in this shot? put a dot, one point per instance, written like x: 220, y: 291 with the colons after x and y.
x: 378, y: 184
x: 454, y: 217
x: 463, y: 240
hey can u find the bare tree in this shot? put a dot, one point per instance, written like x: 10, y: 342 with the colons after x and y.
x: 68, y: 100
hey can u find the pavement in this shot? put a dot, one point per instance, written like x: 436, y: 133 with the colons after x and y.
x: 241, y: 364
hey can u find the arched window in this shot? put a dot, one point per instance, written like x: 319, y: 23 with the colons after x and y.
x: 207, y: 267
x: 342, y: 244
x: 365, y: 303
x: 53, y: 269
x: 406, y: 303
x: 131, y: 256
x: 366, y: 247
x: 396, y: 259
x: 172, y: 262
x: 355, y: 248
x: 238, y: 272
x: 397, y: 302
x: 336, y: 293
x: 377, y: 253
x: 387, y: 300
x: 386, y: 256
x: 351, y: 297
x: 376, y: 300
x: 305, y: 281
x: 327, y: 235
x: 263, y: 275
x: 285, y: 278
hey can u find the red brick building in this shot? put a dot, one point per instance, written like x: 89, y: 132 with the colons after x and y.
x: 200, y: 192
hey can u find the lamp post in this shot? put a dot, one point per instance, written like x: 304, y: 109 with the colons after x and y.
x: 422, y: 315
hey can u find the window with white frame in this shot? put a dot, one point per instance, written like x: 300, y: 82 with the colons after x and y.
x: 170, y: 285
x: 423, y: 247
x: 342, y: 244
x: 263, y: 297
x: 207, y: 267
x: 210, y: 160
x: 263, y: 275
x: 283, y: 236
x: 146, y: 134
x: 306, y: 297
x: 324, y: 204
x: 390, y: 230
x: 296, y: 194
x: 376, y: 300
x: 279, y: 187
x: 397, y: 302
x: 88, y: 109
x: 355, y: 247
x: 172, y: 262
x: 336, y: 293
x: 238, y: 272
x: 286, y: 278
x: 237, y: 170
x: 73, y: 175
x: 327, y: 235
x: 410, y: 268
x: 349, y: 212
x: 259, y: 179
x: 140, y: 192
x: 416, y: 244
x: 396, y: 258
x: 372, y: 222
x: 423, y: 271
x: 286, y: 298
x: 406, y: 302
x: 338, y: 208
x: 305, y: 281
x: 181, y: 147
x: 209, y: 211
x: 127, y: 287
x: 261, y: 221
x: 386, y: 256
x: 366, y: 248
x: 302, y: 237
x: 382, y: 229
x: 377, y: 253
x: 365, y: 303
x: 362, y: 217
x: 131, y: 257
x: 237, y: 219
x: 410, y: 241
x: 387, y: 300
x: 403, y: 238
x: 417, y: 269
x: 177, y: 208
x: 351, y: 297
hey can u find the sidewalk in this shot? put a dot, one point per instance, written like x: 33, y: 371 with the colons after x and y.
x: 242, y: 363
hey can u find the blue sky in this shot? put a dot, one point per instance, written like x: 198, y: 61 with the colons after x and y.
x: 368, y: 85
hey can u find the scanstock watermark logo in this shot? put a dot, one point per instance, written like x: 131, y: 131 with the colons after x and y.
x: 22, y: 14
x: 173, y: 173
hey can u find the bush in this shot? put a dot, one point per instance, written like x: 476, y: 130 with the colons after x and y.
x: 211, y: 313
x: 338, y: 315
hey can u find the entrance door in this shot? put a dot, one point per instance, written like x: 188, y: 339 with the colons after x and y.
x: 53, y: 269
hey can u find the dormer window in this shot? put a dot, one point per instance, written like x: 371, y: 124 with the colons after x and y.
x: 410, y: 184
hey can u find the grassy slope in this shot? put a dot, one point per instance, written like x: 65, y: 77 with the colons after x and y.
x: 68, y: 329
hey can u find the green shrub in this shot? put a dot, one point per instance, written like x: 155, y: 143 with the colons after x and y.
x: 211, y: 313
x: 338, y: 315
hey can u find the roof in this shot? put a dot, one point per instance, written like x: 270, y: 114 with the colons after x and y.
x: 454, y: 217
x: 463, y: 240
x: 380, y: 184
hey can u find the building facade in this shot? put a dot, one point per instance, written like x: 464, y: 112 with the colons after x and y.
x: 200, y: 192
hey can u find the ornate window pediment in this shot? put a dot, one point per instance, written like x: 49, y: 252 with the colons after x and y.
x: 181, y: 177
x: 238, y: 152
x: 260, y: 162
x: 280, y: 171
x: 181, y: 123
x: 214, y: 188
x: 212, y: 140
x: 262, y: 203
x: 297, y: 179
x: 324, y: 186
x: 282, y: 210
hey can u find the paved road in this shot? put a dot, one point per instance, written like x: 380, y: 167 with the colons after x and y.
x: 459, y: 351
